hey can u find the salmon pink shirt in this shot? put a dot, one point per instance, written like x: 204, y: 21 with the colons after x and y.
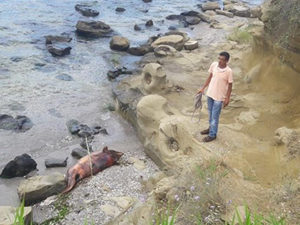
x: 219, y: 82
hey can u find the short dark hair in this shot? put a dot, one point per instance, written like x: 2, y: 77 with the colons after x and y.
x: 225, y: 54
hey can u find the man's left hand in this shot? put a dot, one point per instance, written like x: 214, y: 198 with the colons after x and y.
x: 226, y: 102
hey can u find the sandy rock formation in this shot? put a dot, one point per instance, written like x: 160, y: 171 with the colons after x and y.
x: 164, y: 50
x: 176, y: 41
x: 210, y: 6
x: 191, y: 45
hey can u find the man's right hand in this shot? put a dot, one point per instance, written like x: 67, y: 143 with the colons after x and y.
x: 201, y: 91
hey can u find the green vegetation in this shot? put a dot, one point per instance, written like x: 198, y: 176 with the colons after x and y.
x: 19, y: 218
x: 240, y: 35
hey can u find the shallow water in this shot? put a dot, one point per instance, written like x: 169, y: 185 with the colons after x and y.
x: 28, y: 74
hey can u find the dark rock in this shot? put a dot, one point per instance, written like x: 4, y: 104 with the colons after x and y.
x: 193, y: 20
x: 137, y: 27
x: 20, y: 166
x: 120, y: 9
x: 112, y: 74
x: 56, y: 162
x: 175, y: 17
x: 84, y: 131
x: 144, y: 10
x: 16, y: 59
x: 93, y: 28
x: 59, y: 50
x: 183, y: 23
x: 50, y: 39
x: 190, y: 13
x: 86, y: 11
x: 86, y: 144
x: 139, y: 51
x: 103, y: 131
x: 152, y: 39
x: 119, y: 43
x: 147, y: 1
x: 20, y: 123
x: 64, y: 77
x: 24, y: 123
x: 73, y: 126
x: 149, y: 23
x: 79, y: 153
x: 172, y: 28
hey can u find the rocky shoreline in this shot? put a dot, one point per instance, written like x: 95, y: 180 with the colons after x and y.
x: 158, y: 99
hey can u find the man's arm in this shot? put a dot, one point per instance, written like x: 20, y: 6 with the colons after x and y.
x: 201, y: 90
x: 227, y: 99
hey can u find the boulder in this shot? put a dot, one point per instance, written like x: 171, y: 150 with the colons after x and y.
x: 79, y: 153
x: 241, y: 11
x: 59, y: 50
x: 149, y: 23
x: 176, y: 41
x: 153, y: 78
x: 225, y: 13
x: 139, y: 51
x: 93, y: 28
x: 193, y: 20
x: 20, y: 166
x: 191, y: 45
x: 37, y: 189
x: 86, y: 11
x: 52, y: 162
x: 164, y: 50
x: 206, y: 18
x: 210, y: 6
x: 178, y: 32
x: 119, y: 43
x: 20, y: 123
x: 8, y: 215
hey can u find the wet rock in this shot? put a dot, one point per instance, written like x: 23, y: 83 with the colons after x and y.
x: 175, y: 17
x: 139, y: 51
x: 147, y: 1
x: 137, y: 27
x: 225, y: 13
x: 86, y: 144
x: 16, y: 59
x: 20, y: 123
x: 103, y: 131
x: 193, y: 20
x: 85, y: 131
x: 37, y: 189
x: 191, y: 45
x: 56, y: 162
x: 20, y: 166
x: 73, y: 126
x: 144, y: 10
x: 176, y: 41
x: 206, y: 18
x: 172, y: 28
x: 149, y: 23
x: 8, y: 214
x: 164, y: 50
x: 120, y: 9
x: 119, y: 43
x: 93, y: 28
x: 86, y: 11
x: 112, y: 74
x: 59, y: 50
x: 190, y: 13
x: 210, y: 6
x: 64, y: 77
x: 79, y: 153
x: 50, y: 39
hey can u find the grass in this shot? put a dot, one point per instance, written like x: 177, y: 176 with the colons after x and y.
x: 20, y: 212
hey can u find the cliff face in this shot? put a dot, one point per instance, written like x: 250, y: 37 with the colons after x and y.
x: 281, y: 32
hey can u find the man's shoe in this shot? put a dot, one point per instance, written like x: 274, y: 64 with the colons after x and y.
x: 208, y: 139
x: 206, y: 131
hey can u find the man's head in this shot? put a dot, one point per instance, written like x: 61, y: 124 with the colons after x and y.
x: 223, y: 59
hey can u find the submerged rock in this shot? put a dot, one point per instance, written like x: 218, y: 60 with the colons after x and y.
x: 86, y: 11
x: 20, y: 123
x: 20, y: 166
x: 59, y: 50
x: 37, y: 189
x: 139, y: 51
x: 149, y: 23
x: 50, y: 39
x: 120, y: 9
x: 64, y: 77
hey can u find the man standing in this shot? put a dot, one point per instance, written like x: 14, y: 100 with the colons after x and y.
x: 218, y: 93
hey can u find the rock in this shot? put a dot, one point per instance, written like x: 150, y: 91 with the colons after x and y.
x: 190, y: 13
x: 175, y: 17
x: 137, y: 27
x: 178, y: 32
x: 241, y: 11
x: 50, y: 39
x: 37, y: 189
x: 79, y: 153
x: 93, y: 28
x: 252, y: 74
x: 86, y: 11
x: 123, y: 202
x: 64, y: 77
x: 139, y: 51
x: 206, y: 18
x: 112, y: 74
x: 56, y: 162
x: 110, y: 210
x: 138, y: 164
x: 147, y: 1
x: 249, y: 117
x: 172, y: 28
x: 193, y: 20
x: 255, y: 12
x: 210, y: 6
x: 164, y: 50
x: 20, y: 123
x: 284, y: 135
x: 59, y: 50
x: 85, y: 131
x: 73, y: 126
x: 119, y: 43
x: 225, y: 13
x: 191, y: 45
x: 20, y: 166
x: 211, y: 13
x: 149, y: 23
x: 120, y: 9
x: 163, y: 187
x: 226, y: 2
x: 8, y: 214
x: 86, y: 144
x: 153, y: 78
x: 176, y: 41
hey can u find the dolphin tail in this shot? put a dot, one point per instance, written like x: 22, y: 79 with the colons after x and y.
x: 71, y: 180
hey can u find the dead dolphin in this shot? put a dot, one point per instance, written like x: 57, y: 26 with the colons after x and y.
x: 97, y: 160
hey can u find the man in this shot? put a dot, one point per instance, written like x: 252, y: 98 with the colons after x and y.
x: 218, y: 93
